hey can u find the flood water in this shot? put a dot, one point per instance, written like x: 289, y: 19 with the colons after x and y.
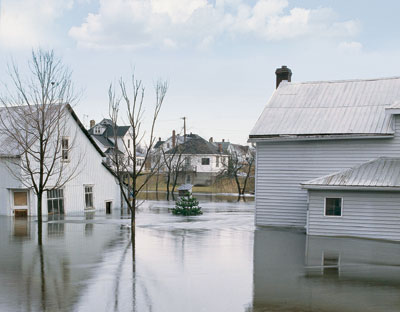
x: 215, y: 262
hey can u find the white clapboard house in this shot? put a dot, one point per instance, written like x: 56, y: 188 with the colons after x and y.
x: 327, y: 157
x: 91, y: 188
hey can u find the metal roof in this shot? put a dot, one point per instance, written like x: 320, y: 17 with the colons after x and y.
x: 351, y: 107
x: 383, y: 172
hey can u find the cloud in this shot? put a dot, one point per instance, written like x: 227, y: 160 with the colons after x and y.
x: 28, y: 23
x: 133, y: 24
x: 350, y: 47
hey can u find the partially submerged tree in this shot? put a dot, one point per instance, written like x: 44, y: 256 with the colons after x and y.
x: 34, y: 125
x: 124, y: 159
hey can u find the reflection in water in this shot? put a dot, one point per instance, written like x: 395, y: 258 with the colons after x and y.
x: 293, y: 272
x: 213, y: 262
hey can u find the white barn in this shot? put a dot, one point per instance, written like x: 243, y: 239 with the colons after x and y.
x: 312, y: 129
x: 92, y: 188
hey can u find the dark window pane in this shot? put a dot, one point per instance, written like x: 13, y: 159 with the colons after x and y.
x: 205, y: 161
x: 333, y: 206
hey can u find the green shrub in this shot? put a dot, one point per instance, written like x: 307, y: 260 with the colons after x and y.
x: 187, y: 206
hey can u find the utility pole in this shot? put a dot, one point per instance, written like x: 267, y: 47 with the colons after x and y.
x: 184, y: 129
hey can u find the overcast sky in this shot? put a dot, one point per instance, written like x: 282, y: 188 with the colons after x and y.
x: 219, y: 56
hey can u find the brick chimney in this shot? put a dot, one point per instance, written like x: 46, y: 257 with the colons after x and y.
x: 92, y: 123
x: 173, y: 138
x: 220, y: 147
x: 211, y: 140
x: 223, y: 140
x: 283, y: 73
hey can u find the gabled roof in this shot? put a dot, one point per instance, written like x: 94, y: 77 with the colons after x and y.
x: 194, y: 145
x: 121, y: 131
x: 11, y: 149
x: 350, y: 107
x: 382, y: 173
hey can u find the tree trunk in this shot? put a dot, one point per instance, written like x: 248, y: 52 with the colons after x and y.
x: 238, y: 186
x: 39, y: 212
x: 158, y: 173
x: 168, y: 182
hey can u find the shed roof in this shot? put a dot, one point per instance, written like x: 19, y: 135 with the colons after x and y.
x: 381, y: 173
x: 347, y: 107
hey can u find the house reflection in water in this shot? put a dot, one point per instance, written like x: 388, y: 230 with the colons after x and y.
x: 52, y: 276
x: 293, y: 272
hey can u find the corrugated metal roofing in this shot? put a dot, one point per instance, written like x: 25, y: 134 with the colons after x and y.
x: 329, y: 108
x: 381, y: 172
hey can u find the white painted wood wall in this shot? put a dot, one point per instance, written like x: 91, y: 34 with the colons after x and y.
x: 90, y: 171
x: 364, y: 214
x: 282, y: 166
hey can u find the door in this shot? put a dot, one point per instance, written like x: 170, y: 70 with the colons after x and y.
x: 108, y: 207
x: 20, y: 199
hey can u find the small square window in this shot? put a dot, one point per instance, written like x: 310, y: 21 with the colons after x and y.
x: 205, y: 161
x: 333, y: 207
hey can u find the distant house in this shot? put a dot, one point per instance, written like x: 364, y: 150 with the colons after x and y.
x: 202, y: 160
x: 104, y: 136
x: 241, y: 152
x: 313, y: 129
x: 92, y: 188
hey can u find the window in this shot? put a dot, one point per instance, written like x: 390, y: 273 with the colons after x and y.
x: 330, y: 264
x: 139, y: 162
x: 55, y: 201
x: 205, y: 161
x: 333, y: 207
x: 129, y: 143
x: 187, y: 161
x: 88, y: 197
x: 217, y: 161
x: 65, y: 149
x: 97, y: 130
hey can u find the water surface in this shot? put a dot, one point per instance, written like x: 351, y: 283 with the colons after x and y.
x: 215, y: 262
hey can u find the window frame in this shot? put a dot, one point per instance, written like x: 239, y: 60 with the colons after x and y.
x: 203, y: 158
x: 341, y: 207
x: 67, y: 149
x: 84, y: 196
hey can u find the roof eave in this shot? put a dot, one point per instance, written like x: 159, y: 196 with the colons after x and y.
x: 317, y: 137
x: 349, y: 188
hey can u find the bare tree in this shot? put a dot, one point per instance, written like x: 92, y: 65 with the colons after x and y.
x: 34, y: 125
x: 239, y: 167
x: 172, y: 162
x: 124, y: 158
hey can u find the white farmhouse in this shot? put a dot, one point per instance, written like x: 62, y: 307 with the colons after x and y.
x: 92, y: 188
x: 202, y: 160
x: 313, y: 129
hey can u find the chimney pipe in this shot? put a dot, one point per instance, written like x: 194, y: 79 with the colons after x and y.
x: 220, y: 147
x: 159, y: 139
x: 92, y: 123
x: 211, y: 140
x: 173, y: 138
x: 223, y: 140
x: 283, y: 73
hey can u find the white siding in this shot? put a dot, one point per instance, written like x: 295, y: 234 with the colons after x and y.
x: 282, y: 166
x: 364, y: 214
x: 90, y: 172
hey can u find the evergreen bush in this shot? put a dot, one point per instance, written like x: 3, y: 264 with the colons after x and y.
x: 187, y: 206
